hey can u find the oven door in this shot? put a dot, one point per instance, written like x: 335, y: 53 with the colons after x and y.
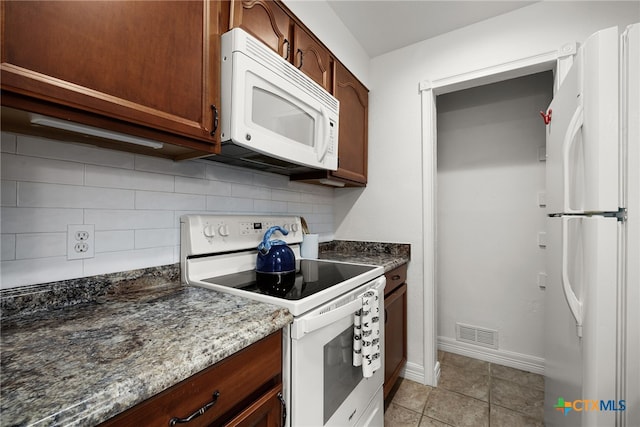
x: 326, y: 389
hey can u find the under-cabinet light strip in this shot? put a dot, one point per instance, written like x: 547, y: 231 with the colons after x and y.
x: 37, y: 119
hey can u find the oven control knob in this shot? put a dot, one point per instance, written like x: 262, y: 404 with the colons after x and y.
x: 294, y: 227
x: 208, y: 231
x: 223, y: 230
x: 287, y: 227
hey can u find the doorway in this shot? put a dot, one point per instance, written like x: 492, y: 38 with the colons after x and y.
x: 429, y: 90
x: 491, y: 220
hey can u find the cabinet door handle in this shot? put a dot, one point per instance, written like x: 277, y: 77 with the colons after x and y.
x: 214, y: 126
x: 288, y: 48
x: 301, y: 58
x: 395, y: 277
x: 175, y: 420
x: 283, y: 405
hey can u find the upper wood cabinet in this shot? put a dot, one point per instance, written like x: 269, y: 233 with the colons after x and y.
x: 352, y: 139
x: 266, y: 21
x: 150, y: 68
x: 271, y: 23
x: 312, y: 58
x: 352, y: 134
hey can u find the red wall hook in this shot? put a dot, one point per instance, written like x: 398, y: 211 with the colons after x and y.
x: 546, y: 117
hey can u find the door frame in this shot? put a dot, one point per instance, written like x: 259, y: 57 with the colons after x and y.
x: 559, y: 61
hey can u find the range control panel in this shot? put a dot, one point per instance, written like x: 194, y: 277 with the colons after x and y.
x: 211, y: 234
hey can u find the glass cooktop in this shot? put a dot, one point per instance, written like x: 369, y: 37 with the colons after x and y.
x: 312, y: 277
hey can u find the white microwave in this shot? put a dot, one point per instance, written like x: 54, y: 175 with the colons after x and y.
x: 273, y: 116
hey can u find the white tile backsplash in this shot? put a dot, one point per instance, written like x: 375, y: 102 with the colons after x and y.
x: 154, y: 238
x: 8, y: 143
x: 270, y: 206
x: 100, y: 176
x: 118, y: 219
x: 202, y: 186
x: 109, y: 262
x: 38, y: 220
x: 170, y: 201
x: 8, y: 246
x: 113, y: 241
x: 35, y: 169
x: 41, y: 245
x: 169, y: 167
x: 235, y: 205
x: 133, y: 201
x: 9, y: 196
x: 39, y: 270
x: 42, y: 195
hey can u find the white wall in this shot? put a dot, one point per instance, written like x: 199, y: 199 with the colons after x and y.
x: 134, y: 202
x: 489, y: 176
x: 390, y: 208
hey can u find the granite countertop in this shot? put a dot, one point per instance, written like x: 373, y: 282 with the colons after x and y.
x: 81, y: 351
x: 387, y: 255
x: 84, y: 363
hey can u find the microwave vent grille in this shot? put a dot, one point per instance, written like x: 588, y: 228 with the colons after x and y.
x: 289, y: 72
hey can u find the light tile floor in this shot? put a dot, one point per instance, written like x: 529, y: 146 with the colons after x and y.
x: 470, y: 393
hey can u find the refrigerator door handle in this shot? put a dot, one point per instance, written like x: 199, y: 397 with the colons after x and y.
x: 569, y: 139
x: 572, y: 300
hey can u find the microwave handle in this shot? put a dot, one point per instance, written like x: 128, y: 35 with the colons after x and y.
x: 326, y: 123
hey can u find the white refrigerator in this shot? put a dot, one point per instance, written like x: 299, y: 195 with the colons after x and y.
x: 593, y: 124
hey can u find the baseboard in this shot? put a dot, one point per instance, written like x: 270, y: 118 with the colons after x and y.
x: 413, y: 372
x: 501, y: 357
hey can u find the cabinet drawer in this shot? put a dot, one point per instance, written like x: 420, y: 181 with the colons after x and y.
x: 395, y: 278
x: 266, y: 411
x: 239, y: 380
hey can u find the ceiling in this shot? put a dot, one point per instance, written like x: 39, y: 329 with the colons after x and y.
x: 381, y: 26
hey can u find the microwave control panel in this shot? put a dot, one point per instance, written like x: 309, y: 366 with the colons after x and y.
x: 332, y: 137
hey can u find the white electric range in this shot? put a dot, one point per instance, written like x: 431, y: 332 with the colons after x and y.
x: 321, y: 385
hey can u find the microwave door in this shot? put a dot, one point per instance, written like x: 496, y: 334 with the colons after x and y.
x: 273, y: 116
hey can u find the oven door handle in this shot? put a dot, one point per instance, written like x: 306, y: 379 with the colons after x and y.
x: 303, y: 326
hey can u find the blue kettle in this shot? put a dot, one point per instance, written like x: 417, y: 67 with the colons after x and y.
x: 275, y: 265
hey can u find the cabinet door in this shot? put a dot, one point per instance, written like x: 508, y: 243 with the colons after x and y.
x: 264, y: 412
x: 354, y: 112
x: 266, y: 21
x: 214, y: 394
x: 312, y: 59
x: 395, y: 340
x: 148, y: 63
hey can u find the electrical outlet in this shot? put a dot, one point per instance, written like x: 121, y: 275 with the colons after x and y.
x: 82, y: 235
x: 80, y: 241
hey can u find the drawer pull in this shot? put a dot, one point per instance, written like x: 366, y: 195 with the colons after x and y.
x: 214, y: 124
x: 299, y: 67
x: 283, y: 406
x: 175, y: 420
x: 395, y: 277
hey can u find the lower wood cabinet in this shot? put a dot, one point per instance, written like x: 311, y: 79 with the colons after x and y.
x: 241, y: 390
x: 395, y: 341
